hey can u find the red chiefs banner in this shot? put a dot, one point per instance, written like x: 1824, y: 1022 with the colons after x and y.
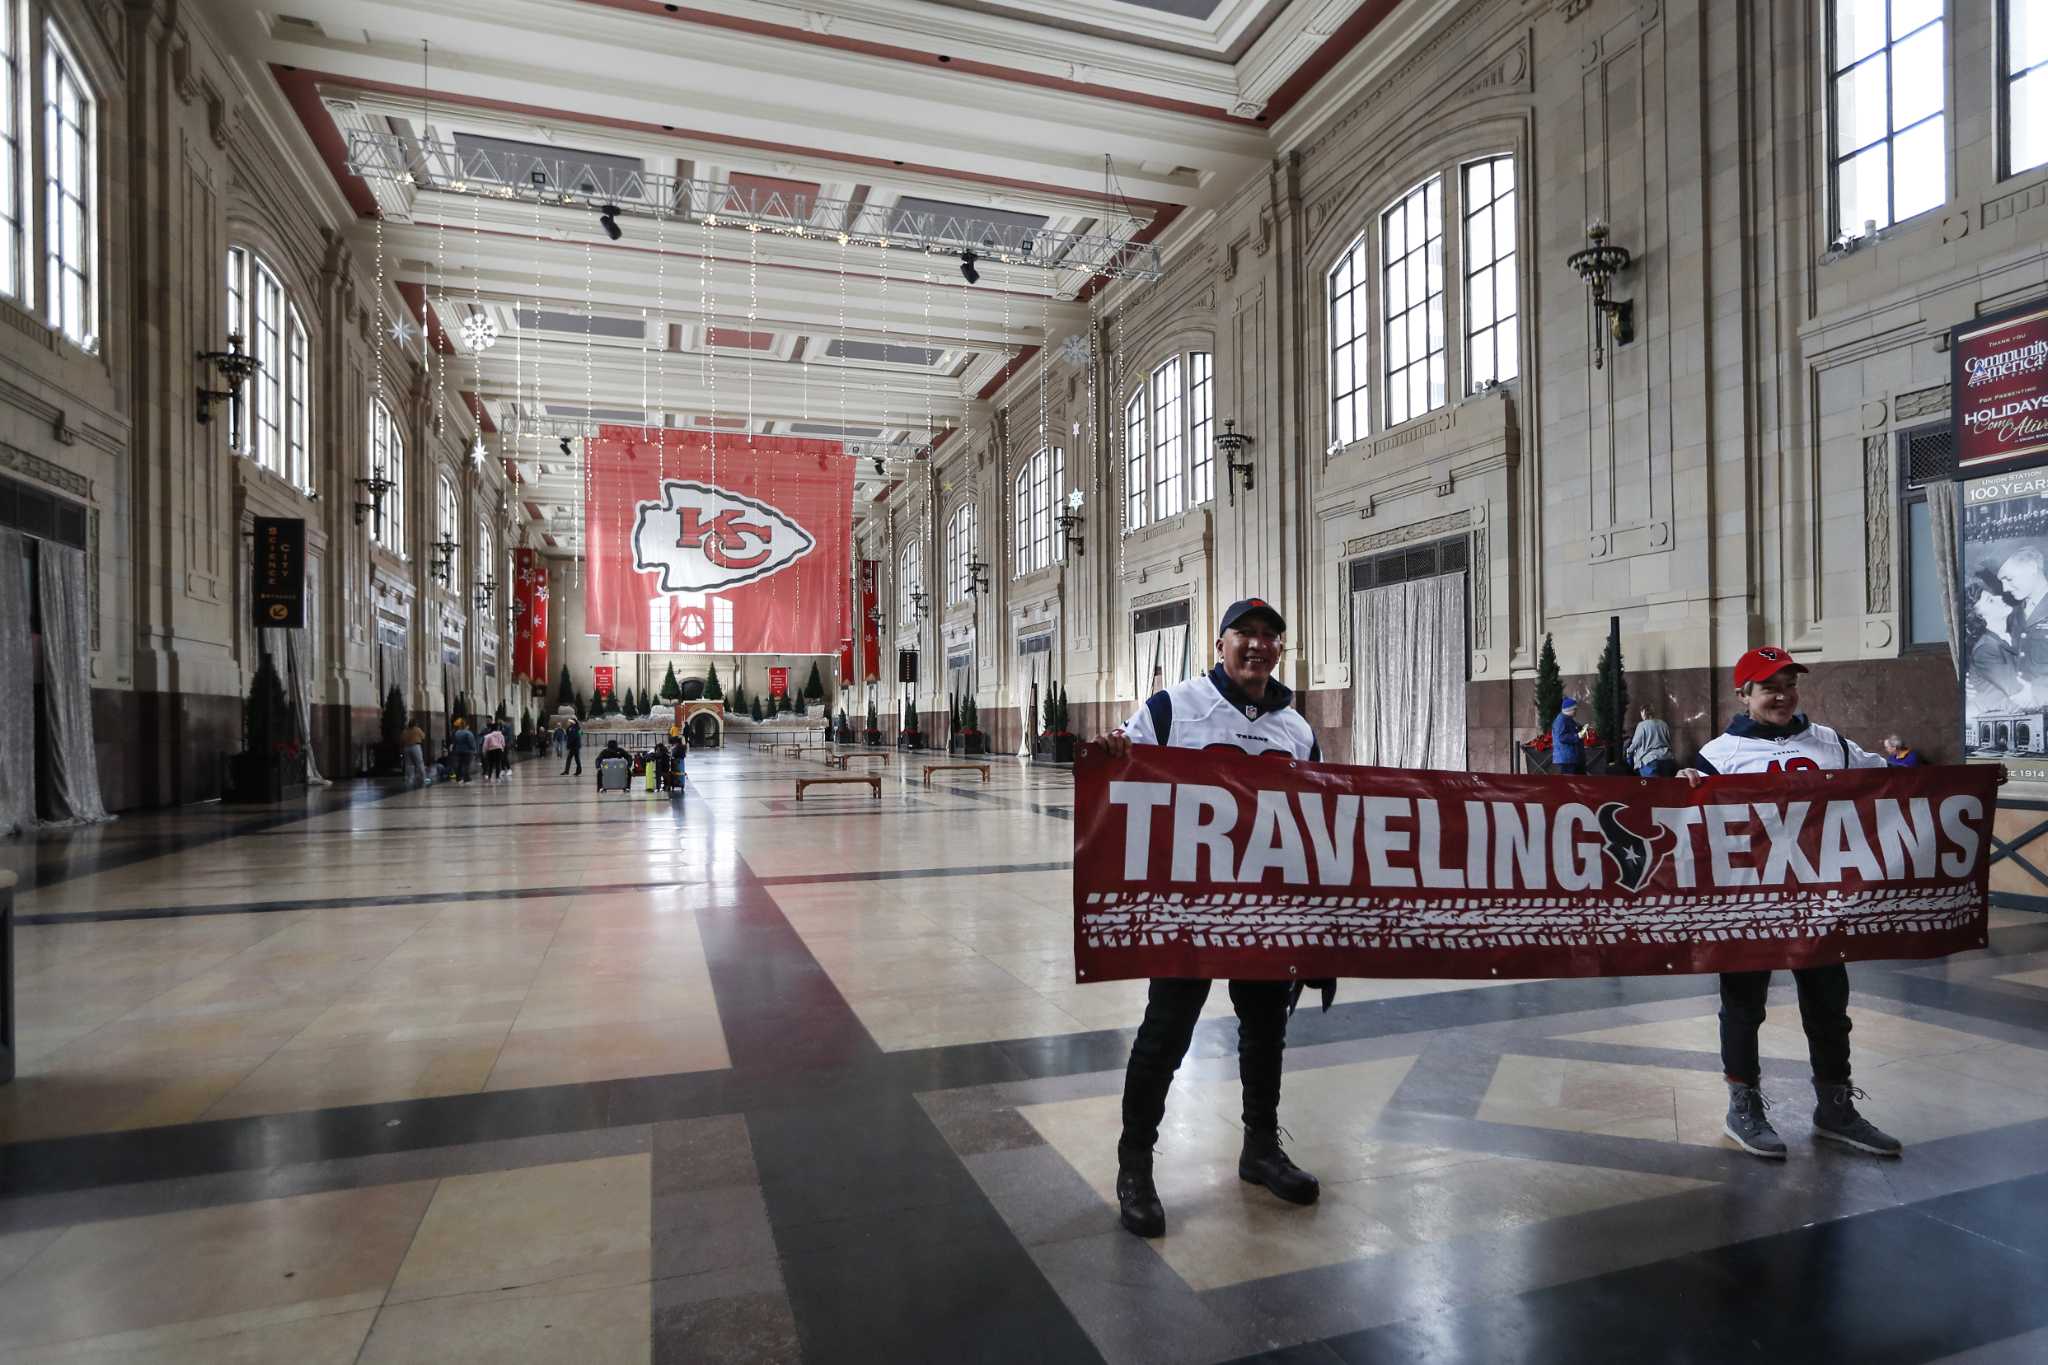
x: 778, y: 682
x: 603, y: 678
x: 1196, y: 863
x: 870, y: 637
x: 529, y: 617
x: 846, y: 660
x: 1999, y: 386
x: 739, y: 554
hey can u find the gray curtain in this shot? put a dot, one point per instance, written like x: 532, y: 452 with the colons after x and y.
x: 1408, y: 674
x: 74, y: 785
x: 1159, y: 658
x: 1945, y: 532
x: 17, y: 722
x: 300, y: 696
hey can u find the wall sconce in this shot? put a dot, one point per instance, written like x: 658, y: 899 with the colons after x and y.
x: 977, y: 576
x: 1068, y: 523
x: 1597, y: 265
x: 485, y: 591
x: 444, y: 558
x: 876, y: 619
x: 919, y: 603
x: 234, y: 368
x: 376, y: 486
x: 1232, y: 443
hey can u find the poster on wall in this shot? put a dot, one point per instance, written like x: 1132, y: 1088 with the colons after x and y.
x: 2002, y: 596
x: 1999, y: 387
x: 778, y: 682
x: 735, y: 548
x: 278, y: 593
x: 605, y: 677
x: 529, y: 617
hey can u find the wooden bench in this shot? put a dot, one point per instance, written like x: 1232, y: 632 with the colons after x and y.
x: 874, y: 784
x: 868, y: 754
x: 801, y: 749
x: 792, y: 751
x: 931, y: 768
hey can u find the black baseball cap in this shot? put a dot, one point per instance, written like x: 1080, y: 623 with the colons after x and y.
x: 1251, y: 606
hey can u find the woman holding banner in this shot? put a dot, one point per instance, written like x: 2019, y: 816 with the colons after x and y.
x: 1237, y: 705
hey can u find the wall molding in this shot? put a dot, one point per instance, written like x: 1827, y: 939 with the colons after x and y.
x: 1430, y: 528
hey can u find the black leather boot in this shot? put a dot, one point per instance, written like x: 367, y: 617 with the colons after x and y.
x: 1137, y: 1199
x: 1264, y: 1163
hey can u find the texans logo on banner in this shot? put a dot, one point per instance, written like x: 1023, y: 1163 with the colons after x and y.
x: 699, y: 538
x: 737, y: 548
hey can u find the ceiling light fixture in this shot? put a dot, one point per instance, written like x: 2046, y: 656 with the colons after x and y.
x: 967, y: 270
x: 608, y: 219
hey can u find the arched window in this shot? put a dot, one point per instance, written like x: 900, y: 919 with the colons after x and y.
x: 1350, y: 324
x: 444, y: 535
x: 1039, y: 485
x: 387, y: 461
x: 272, y: 422
x: 487, y: 556
x: 13, y: 153
x: 909, y: 581
x: 960, y: 552
x: 1412, y: 301
x: 1169, y: 453
x: 71, y: 227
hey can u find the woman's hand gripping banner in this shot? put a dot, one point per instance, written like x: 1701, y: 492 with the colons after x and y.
x: 1197, y: 863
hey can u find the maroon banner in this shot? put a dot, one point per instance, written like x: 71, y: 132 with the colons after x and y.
x: 870, y: 637
x: 778, y: 682
x: 1197, y: 863
x: 735, y: 549
x: 603, y: 678
x: 529, y: 617
x: 846, y: 661
x: 1999, y: 386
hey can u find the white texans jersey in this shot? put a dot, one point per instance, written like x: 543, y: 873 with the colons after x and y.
x: 1197, y: 714
x: 1803, y: 746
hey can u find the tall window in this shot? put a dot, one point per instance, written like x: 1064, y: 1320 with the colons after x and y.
x: 13, y: 84
x: 487, y: 554
x: 909, y: 581
x: 444, y: 532
x: 387, y: 461
x: 1137, y: 487
x: 68, y: 133
x: 2026, y: 85
x: 298, y: 458
x: 1201, y: 427
x: 959, y: 552
x: 1350, y: 319
x: 1167, y: 412
x: 266, y: 343
x: 1491, y: 331
x: 273, y: 419
x: 1889, y: 88
x: 1039, y: 486
x: 1412, y: 237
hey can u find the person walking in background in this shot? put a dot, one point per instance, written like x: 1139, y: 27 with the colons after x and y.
x: 572, y: 740
x: 413, y: 748
x: 1897, y: 754
x: 494, y: 753
x: 561, y: 738
x: 464, y: 745
x: 1567, y: 752
x: 1649, y: 748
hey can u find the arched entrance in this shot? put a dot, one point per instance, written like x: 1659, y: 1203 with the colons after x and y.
x: 703, y: 723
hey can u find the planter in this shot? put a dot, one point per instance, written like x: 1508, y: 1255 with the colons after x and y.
x: 261, y: 779
x: 910, y: 739
x: 1054, y: 748
x: 871, y: 738
x: 972, y: 742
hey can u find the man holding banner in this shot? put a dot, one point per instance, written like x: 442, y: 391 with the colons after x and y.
x: 1240, y: 707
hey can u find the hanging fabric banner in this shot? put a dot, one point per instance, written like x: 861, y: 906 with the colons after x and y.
x: 1192, y: 863
x: 529, y: 617
x: 737, y: 556
x: 870, y: 636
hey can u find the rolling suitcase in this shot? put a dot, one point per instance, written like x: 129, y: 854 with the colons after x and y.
x: 612, y: 774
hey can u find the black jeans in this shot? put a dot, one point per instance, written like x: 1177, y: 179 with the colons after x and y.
x: 1170, y: 1013
x: 576, y: 757
x: 1823, y: 1011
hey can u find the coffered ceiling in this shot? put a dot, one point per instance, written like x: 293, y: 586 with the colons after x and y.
x: 1000, y: 111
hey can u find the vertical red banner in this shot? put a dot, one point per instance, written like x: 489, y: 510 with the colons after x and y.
x: 778, y: 682
x: 870, y: 638
x: 529, y: 617
x: 735, y: 549
x: 606, y: 678
x: 846, y: 661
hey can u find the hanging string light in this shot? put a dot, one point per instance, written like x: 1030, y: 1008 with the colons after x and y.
x: 436, y: 370
x: 589, y: 402
x: 707, y: 360
x: 661, y: 356
x: 1094, y: 426
x: 477, y: 329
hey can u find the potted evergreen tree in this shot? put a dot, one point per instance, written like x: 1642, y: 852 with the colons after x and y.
x: 972, y: 741
x: 525, y: 732
x: 872, y: 735
x: 576, y: 700
x: 814, y: 686
x: 1055, y: 743
x: 953, y: 723
x: 757, y: 711
x: 1549, y: 700
x: 842, y: 732
x: 671, y: 690
x: 909, y: 736
x: 390, y: 725
x: 712, y: 691
x: 270, y: 763
x: 1610, y: 706
x: 565, y: 691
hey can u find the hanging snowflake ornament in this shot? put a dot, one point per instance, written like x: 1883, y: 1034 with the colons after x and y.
x: 402, y: 330
x: 1073, y: 351
x: 479, y: 331
x: 477, y: 454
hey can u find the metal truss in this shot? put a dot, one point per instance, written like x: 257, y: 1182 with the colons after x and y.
x: 577, y: 428
x: 565, y: 182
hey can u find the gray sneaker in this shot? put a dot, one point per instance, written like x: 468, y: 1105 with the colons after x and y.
x: 1749, y: 1126
x: 1835, y: 1119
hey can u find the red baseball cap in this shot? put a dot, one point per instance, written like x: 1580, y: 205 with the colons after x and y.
x: 1762, y: 662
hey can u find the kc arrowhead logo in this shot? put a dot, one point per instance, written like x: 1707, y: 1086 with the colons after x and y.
x: 701, y: 538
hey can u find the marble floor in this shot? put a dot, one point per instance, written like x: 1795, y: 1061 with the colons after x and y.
x: 522, y: 1073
